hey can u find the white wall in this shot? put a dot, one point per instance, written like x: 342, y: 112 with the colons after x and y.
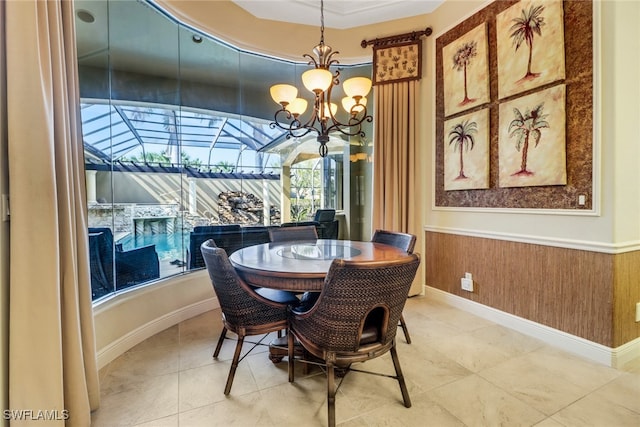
x: 135, y: 315
x: 621, y: 114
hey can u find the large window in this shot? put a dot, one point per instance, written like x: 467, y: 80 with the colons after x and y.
x: 178, y: 143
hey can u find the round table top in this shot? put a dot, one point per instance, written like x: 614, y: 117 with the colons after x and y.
x: 302, y: 265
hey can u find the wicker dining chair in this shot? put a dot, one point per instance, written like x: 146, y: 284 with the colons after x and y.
x: 290, y: 234
x: 354, y: 319
x: 244, y: 311
x: 406, y: 242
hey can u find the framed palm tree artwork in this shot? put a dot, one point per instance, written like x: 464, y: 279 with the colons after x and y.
x: 532, y: 146
x: 466, y: 71
x: 466, y: 151
x: 530, y: 44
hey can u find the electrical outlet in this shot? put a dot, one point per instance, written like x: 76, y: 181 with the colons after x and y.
x: 468, y: 276
x: 638, y: 312
x: 467, y: 284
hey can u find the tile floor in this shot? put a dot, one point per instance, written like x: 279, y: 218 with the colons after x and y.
x: 461, y: 370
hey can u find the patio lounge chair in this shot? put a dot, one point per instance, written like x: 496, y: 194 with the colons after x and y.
x: 131, y: 267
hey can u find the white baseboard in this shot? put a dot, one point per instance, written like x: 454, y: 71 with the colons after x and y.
x: 124, y: 343
x: 625, y: 353
x: 614, y: 357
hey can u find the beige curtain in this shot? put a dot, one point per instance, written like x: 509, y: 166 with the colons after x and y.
x: 397, y: 190
x: 52, y: 360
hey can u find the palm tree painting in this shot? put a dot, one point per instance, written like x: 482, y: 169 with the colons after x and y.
x: 526, y: 128
x: 462, y: 136
x: 466, y: 154
x: 466, y: 71
x: 524, y: 29
x: 532, y: 139
x: 530, y: 42
x: 461, y: 60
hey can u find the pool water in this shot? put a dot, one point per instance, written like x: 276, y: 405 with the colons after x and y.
x: 168, y: 246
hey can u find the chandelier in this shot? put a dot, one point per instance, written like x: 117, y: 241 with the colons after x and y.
x: 321, y: 81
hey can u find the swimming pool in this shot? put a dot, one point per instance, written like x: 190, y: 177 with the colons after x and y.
x: 168, y: 246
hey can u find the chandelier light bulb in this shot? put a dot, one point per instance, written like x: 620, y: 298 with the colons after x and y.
x: 283, y: 94
x: 348, y: 103
x: 325, y: 110
x: 317, y: 80
x: 357, y: 86
x: 297, y: 107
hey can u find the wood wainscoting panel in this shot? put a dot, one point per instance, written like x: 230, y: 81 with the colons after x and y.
x: 566, y: 289
x: 626, y: 296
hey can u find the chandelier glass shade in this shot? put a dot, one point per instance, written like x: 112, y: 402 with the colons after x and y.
x: 320, y: 81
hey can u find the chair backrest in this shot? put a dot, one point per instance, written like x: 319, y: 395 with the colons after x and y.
x: 107, y: 234
x: 404, y: 241
x: 325, y: 215
x: 101, y: 261
x: 293, y: 234
x: 355, y: 292
x: 216, y: 228
x: 238, y: 302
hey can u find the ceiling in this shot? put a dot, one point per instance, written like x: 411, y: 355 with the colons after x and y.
x: 340, y: 14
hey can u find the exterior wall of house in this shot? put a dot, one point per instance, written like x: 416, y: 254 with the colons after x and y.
x: 172, y: 189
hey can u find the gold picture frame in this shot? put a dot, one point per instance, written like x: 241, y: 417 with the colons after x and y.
x: 400, y: 62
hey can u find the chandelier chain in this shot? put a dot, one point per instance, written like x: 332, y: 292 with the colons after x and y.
x: 321, y: 21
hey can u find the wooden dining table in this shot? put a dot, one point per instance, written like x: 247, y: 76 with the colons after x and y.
x: 301, y: 266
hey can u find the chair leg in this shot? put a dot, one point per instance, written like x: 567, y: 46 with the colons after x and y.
x: 400, y: 377
x: 290, y: 355
x: 234, y: 364
x: 223, y: 335
x: 331, y: 395
x: 403, y: 325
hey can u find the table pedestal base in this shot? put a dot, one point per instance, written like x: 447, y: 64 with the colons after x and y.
x: 278, y: 349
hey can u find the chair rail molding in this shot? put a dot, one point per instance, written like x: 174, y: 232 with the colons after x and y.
x: 585, y: 245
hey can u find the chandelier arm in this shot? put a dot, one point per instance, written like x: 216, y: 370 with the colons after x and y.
x: 329, y: 61
x: 312, y: 60
x: 311, y: 123
x: 293, y: 125
x: 342, y: 128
